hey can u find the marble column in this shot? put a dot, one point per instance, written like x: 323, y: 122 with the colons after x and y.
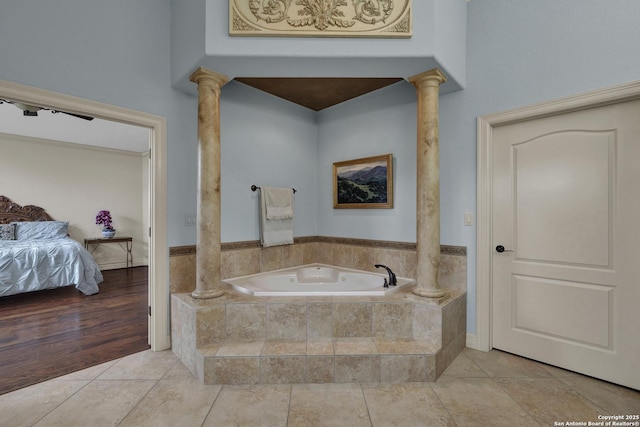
x: 428, y: 184
x: 208, y: 239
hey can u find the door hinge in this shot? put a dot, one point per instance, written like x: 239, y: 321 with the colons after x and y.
x: 149, y: 231
x: 149, y: 311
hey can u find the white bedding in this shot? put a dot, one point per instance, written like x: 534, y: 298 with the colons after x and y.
x: 35, y: 264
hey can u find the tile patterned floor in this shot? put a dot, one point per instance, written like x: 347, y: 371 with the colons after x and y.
x: 478, y: 389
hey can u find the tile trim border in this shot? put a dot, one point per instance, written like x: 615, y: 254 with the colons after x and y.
x: 182, y: 250
x: 453, y: 250
x: 384, y: 244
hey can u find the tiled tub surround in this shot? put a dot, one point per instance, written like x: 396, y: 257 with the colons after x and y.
x: 243, y: 258
x: 240, y: 339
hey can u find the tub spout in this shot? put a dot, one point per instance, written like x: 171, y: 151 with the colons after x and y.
x: 392, y: 276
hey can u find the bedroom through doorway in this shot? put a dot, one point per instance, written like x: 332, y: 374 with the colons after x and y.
x: 150, y: 259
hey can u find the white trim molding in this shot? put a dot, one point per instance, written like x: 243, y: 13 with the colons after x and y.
x: 485, y: 126
x: 159, y: 329
x: 472, y: 341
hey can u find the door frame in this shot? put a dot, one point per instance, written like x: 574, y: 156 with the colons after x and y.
x: 159, y: 329
x: 484, y: 244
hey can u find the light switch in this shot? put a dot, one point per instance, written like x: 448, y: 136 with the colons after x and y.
x: 468, y: 218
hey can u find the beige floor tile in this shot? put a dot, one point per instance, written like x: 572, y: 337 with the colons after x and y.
x: 405, y: 405
x: 287, y: 321
x: 327, y: 405
x: 233, y: 370
x: 401, y: 368
x: 100, y: 403
x: 404, y: 346
x: 282, y: 370
x: 352, y: 319
x: 258, y: 405
x: 246, y: 348
x: 89, y: 373
x: 478, y: 389
x: 284, y: 347
x: 178, y: 372
x: 210, y: 349
x: 320, y: 369
x: 146, y: 365
x: 320, y: 347
x: 496, y: 363
x: 549, y: 400
x: 346, y: 346
x: 463, y: 367
x: 172, y: 403
x: 611, y: 398
x: 22, y: 408
x: 357, y: 369
x: 480, y: 402
x: 319, y: 315
x: 559, y: 372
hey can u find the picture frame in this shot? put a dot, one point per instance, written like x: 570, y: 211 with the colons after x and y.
x: 365, y: 183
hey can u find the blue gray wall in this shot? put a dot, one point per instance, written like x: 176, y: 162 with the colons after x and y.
x: 518, y: 52
x: 379, y: 123
x: 117, y: 52
x: 270, y: 142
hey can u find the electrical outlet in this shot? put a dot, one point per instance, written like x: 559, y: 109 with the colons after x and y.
x: 468, y: 218
x: 190, y: 220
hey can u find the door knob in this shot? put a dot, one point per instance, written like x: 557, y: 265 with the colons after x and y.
x: 501, y: 249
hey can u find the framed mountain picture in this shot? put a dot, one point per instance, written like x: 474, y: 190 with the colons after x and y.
x: 363, y: 183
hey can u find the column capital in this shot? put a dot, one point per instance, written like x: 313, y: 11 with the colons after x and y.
x: 433, y: 77
x: 203, y: 74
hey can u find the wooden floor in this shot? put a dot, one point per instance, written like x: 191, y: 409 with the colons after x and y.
x: 50, y: 333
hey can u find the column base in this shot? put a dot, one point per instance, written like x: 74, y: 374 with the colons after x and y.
x: 437, y: 294
x: 208, y: 294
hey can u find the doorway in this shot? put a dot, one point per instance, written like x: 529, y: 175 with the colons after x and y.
x: 159, y: 329
x: 556, y: 278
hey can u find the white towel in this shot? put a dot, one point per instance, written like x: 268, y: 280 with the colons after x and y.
x: 276, y: 216
x: 279, y: 202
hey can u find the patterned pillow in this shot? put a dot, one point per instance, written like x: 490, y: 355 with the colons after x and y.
x: 7, y: 232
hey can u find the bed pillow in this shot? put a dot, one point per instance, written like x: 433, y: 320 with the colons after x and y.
x: 7, y: 232
x: 41, y: 230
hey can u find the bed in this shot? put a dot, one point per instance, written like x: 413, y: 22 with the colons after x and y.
x: 37, y: 253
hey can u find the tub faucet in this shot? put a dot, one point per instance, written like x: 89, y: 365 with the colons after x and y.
x: 392, y: 276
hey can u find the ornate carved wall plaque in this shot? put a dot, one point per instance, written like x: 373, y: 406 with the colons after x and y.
x: 320, y: 18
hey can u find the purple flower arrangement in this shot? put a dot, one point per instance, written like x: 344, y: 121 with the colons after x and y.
x: 104, y: 218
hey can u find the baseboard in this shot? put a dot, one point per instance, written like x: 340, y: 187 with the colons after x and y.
x: 119, y: 265
x: 472, y: 342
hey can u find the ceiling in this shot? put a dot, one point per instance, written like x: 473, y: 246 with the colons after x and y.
x: 317, y: 93
x: 67, y: 128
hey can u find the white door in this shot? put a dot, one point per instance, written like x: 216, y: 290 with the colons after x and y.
x: 566, y: 210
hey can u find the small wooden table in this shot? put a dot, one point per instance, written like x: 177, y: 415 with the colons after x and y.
x: 99, y: 240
